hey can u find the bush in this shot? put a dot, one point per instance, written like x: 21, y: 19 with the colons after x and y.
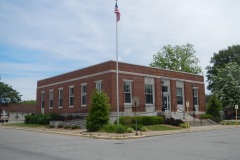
x: 115, y: 128
x: 67, y: 126
x: 143, y: 129
x: 126, y: 121
x: 183, y: 125
x: 139, y: 126
x: 214, y: 106
x: 129, y: 130
x: 150, y: 120
x: 177, y: 122
x: 99, y: 111
x: 50, y: 126
x: 169, y: 121
x: 60, y: 126
x: 43, y: 119
x: 142, y: 120
x: 173, y: 122
x: 74, y: 127
x: 205, y: 116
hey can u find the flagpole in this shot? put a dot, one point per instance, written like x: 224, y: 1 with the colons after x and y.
x: 117, y: 86
x: 117, y: 72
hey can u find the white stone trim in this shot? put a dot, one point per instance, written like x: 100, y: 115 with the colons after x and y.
x: 122, y: 72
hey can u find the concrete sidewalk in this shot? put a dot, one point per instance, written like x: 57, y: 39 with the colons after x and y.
x: 115, y: 136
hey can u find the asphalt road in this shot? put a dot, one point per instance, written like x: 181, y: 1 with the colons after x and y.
x: 208, y: 145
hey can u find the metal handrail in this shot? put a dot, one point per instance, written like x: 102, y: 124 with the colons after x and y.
x: 180, y: 109
x: 182, y: 112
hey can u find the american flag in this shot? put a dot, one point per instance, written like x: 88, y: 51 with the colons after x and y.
x: 117, y: 12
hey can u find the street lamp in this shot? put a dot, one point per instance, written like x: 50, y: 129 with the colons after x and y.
x: 236, y: 107
x: 187, y: 105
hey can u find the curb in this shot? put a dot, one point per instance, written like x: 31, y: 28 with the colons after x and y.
x: 124, y: 137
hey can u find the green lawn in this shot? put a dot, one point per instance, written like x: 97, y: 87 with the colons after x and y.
x: 161, y: 127
x: 229, y: 123
x: 23, y: 125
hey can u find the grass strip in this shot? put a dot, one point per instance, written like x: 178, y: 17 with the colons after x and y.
x: 23, y: 125
x: 161, y: 127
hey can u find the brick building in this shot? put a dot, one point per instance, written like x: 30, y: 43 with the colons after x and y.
x: 159, y: 90
x: 17, y: 112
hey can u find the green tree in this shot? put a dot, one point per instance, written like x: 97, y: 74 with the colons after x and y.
x: 220, y: 60
x: 99, y: 111
x: 29, y: 102
x: 227, y: 85
x: 214, y: 106
x: 7, y: 91
x: 178, y: 58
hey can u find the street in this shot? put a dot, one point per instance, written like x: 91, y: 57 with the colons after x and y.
x: 207, y: 145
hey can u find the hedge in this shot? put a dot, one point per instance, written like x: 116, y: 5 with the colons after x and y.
x: 43, y: 119
x: 173, y: 122
x: 205, y: 116
x: 141, y: 120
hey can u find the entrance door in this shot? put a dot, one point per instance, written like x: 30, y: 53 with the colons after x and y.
x: 166, y: 102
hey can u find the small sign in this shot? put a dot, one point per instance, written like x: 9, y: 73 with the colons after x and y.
x: 187, y: 104
x: 135, y: 102
x: 236, y: 106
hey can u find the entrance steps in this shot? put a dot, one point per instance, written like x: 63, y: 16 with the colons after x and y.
x: 192, y: 121
x: 203, y: 122
x: 182, y: 115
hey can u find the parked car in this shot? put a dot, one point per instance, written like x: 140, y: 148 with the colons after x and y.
x: 4, y: 117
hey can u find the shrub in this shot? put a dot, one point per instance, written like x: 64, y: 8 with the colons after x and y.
x: 225, y: 123
x: 184, y: 125
x: 67, y: 126
x: 115, y: 128
x: 177, y: 122
x: 60, y: 126
x: 74, y: 127
x: 126, y: 121
x: 142, y: 120
x: 139, y: 126
x: 43, y: 119
x: 99, y: 111
x: 108, y: 128
x: 214, y: 106
x: 129, y: 130
x: 50, y: 126
x: 120, y: 129
x: 143, y: 129
x: 173, y: 122
x: 169, y: 121
x: 205, y: 116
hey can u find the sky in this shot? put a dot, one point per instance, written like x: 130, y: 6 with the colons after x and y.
x: 44, y: 38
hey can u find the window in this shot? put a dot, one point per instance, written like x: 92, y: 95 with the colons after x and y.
x: 164, y: 89
x: 179, y: 96
x: 60, y: 95
x: 71, y: 96
x: 195, y: 96
x: 127, y: 92
x: 149, y: 94
x: 99, y: 86
x: 50, y: 99
x: 84, y: 94
x: 42, y: 99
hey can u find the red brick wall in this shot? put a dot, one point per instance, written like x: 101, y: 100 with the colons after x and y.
x: 158, y: 95
x: 173, y: 95
x: 109, y: 86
